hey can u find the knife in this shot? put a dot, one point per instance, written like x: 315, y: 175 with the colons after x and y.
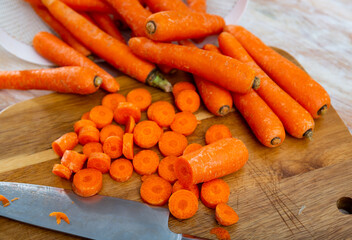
x: 97, y: 217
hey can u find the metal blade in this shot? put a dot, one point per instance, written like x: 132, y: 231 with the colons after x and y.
x: 97, y: 217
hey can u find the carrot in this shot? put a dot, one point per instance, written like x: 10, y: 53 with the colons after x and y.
x: 180, y: 86
x: 146, y: 162
x: 108, y: 48
x: 155, y: 191
x: 197, y: 5
x: 112, y: 146
x: 217, y: 132
x: 211, y: 47
x: 121, y: 170
x: 88, y: 134
x: 124, y: 110
x: 184, y: 123
x: 73, y: 160
x: 63, y: 79
x: 183, y: 204
x: 191, y: 148
x: 66, y: 142
x: 214, y: 192
x: 293, y: 80
x: 225, y: 215
x: 64, y: 34
x: 130, y: 125
x: 166, y: 69
x: 212, y: 161
x: 172, y: 143
x: 88, y: 17
x: 140, y: 97
x: 92, y: 147
x: 82, y: 5
x: 87, y: 182
x: 166, y: 5
x: 85, y: 116
x: 193, y: 188
x: 187, y: 43
x: 162, y: 112
x: 62, y: 171
x: 188, y: 100
x: 225, y: 71
x: 112, y: 100
x: 5, y: 201
x: 99, y: 161
x: 296, y: 120
x: 127, y: 145
x: 105, y: 22
x: 221, y: 233
x: 82, y: 123
x: 147, y: 134
x: 52, y: 48
x: 14, y: 199
x: 59, y: 216
x: 101, y: 116
x: 166, y: 169
x: 110, y: 130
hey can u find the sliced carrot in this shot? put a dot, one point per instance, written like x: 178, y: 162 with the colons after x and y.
x: 81, y: 123
x: 87, y: 182
x: 62, y: 171
x: 113, y: 146
x: 225, y: 215
x: 155, y: 191
x: 140, y: 97
x: 99, y: 161
x: 130, y: 124
x: 180, y: 86
x: 146, y: 162
x: 184, y: 123
x: 124, y: 110
x: 105, y: 22
x: 110, y: 130
x: 172, y: 143
x: 188, y: 100
x: 145, y: 177
x: 166, y: 168
x: 146, y: 134
x: 59, y: 216
x: 121, y: 170
x: 217, y: 132
x: 214, y: 192
x: 73, y: 160
x: 127, y: 145
x: 162, y: 112
x: 193, y: 188
x: 4, y: 200
x: 88, y: 134
x: 85, y: 116
x: 92, y: 147
x: 191, y: 148
x: 112, y: 100
x: 102, y: 116
x: 183, y: 204
x: 66, y: 142
x: 221, y: 233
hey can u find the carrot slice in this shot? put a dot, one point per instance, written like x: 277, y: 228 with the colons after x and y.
x: 66, y: 142
x: 5, y: 201
x: 166, y: 168
x: 155, y: 191
x: 225, y: 215
x: 146, y: 162
x: 130, y: 125
x: 112, y: 100
x: 62, y: 171
x: 140, y: 97
x: 162, y: 112
x: 183, y: 204
x: 184, y: 123
x: 113, y: 146
x: 121, y: 170
x: 81, y: 123
x: 85, y: 116
x: 180, y: 86
x: 59, y: 216
x: 214, y: 192
x: 124, y: 110
x: 147, y: 134
x: 217, y: 132
x: 87, y: 182
x: 172, y: 143
x: 191, y: 148
x: 99, y: 161
x: 88, y: 134
x: 127, y: 145
x: 188, y: 100
x: 193, y: 188
x: 73, y: 160
x: 221, y: 233
x: 110, y: 130
x: 92, y: 147
x: 102, y: 116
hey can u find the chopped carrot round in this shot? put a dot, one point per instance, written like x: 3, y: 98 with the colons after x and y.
x: 162, y: 112
x: 193, y: 188
x: 184, y: 123
x: 130, y: 124
x: 155, y: 191
x: 102, y: 116
x: 188, y: 100
x: 113, y: 147
x: 62, y: 171
x: 214, y: 192
x: 92, y: 147
x: 88, y: 134
x: 85, y: 116
x: 81, y: 123
x: 66, y: 142
x: 59, y: 216
x: 166, y: 168
x: 140, y: 97
x: 172, y: 143
x: 127, y: 145
x: 99, y: 161
x: 183, y: 204
x: 87, y: 182
x: 121, y: 170
x: 112, y: 100
x: 124, y: 110
x: 73, y: 160
x: 146, y: 134
x: 180, y: 86
x: 110, y: 130
x: 191, y: 148
x: 225, y: 215
x: 221, y: 233
x: 146, y: 162
x: 217, y: 132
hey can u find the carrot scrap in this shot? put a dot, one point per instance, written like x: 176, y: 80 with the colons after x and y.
x: 221, y: 233
x: 99, y: 161
x: 127, y: 145
x: 193, y: 188
x: 146, y: 162
x: 110, y: 130
x: 121, y: 170
x: 73, y: 160
x: 180, y: 86
x: 92, y: 147
x: 155, y: 191
x: 62, y: 171
x: 140, y: 97
x: 88, y: 134
x: 102, y: 116
x: 184, y: 123
x: 113, y: 146
x: 214, y: 192
x: 85, y: 116
x: 112, y: 100
x: 146, y: 134
x: 66, y: 142
x: 183, y: 204
x: 59, y: 216
x: 162, y: 112
x: 130, y: 125
x: 217, y: 132
x: 14, y: 199
x: 166, y: 168
x: 188, y: 100
x: 191, y: 148
x: 81, y: 123
x: 4, y: 200
x: 225, y: 215
x: 87, y: 182
x: 172, y: 143
x: 124, y: 110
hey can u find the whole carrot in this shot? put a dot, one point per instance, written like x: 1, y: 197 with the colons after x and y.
x: 82, y: 5
x: 52, y: 48
x: 219, y: 69
x: 296, y: 120
x: 296, y: 82
x: 105, y: 22
x: 64, y: 79
x: 197, y: 5
x: 116, y: 53
x: 166, y: 5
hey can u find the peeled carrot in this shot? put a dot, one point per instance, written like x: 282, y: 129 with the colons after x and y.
x: 166, y: 69
x: 215, y: 160
x: 101, y: 116
x: 188, y: 100
x: 293, y: 80
x: 112, y: 100
x: 197, y: 5
x: 113, y: 146
x: 217, y: 132
x: 110, y: 130
x: 166, y: 5
x: 92, y: 147
x: 73, y: 160
x: 121, y: 170
x: 147, y: 134
x: 140, y: 97
x: 191, y: 148
x: 66, y: 142
x: 166, y: 168
x: 4, y: 200
x: 59, y: 216
x: 225, y: 215
x: 130, y: 124
x: 88, y: 134
x: 105, y: 22
x: 99, y: 161
x: 172, y: 143
x: 180, y: 86
x: 155, y: 191
x: 87, y: 182
x: 193, y: 188
x: 64, y: 79
x: 227, y: 72
x: 296, y: 120
x: 85, y: 116
x: 162, y: 112
x: 146, y: 162
x: 214, y: 192
x: 52, y: 48
x: 221, y: 233
x: 183, y: 204
x: 82, y: 5
x: 88, y: 17
x: 124, y: 110
x: 62, y: 171
x: 82, y: 123
x: 184, y: 123
x: 127, y: 145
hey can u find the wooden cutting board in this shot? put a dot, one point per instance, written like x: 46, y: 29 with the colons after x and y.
x: 289, y: 192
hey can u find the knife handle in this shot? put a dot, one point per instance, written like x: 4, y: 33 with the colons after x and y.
x: 190, y: 237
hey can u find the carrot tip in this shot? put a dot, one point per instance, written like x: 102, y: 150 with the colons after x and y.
x: 308, y: 134
x: 323, y: 110
x: 156, y: 79
x: 98, y: 81
x: 151, y: 27
x: 256, y: 83
x: 224, y: 110
x: 275, y: 141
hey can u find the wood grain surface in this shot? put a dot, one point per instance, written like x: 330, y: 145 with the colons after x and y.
x: 289, y: 192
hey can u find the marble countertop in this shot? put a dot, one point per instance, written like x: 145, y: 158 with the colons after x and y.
x: 318, y: 33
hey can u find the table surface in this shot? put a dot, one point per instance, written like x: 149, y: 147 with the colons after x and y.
x: 318, y: 33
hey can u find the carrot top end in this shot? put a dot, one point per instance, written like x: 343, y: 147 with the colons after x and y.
x: 156, y: 79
